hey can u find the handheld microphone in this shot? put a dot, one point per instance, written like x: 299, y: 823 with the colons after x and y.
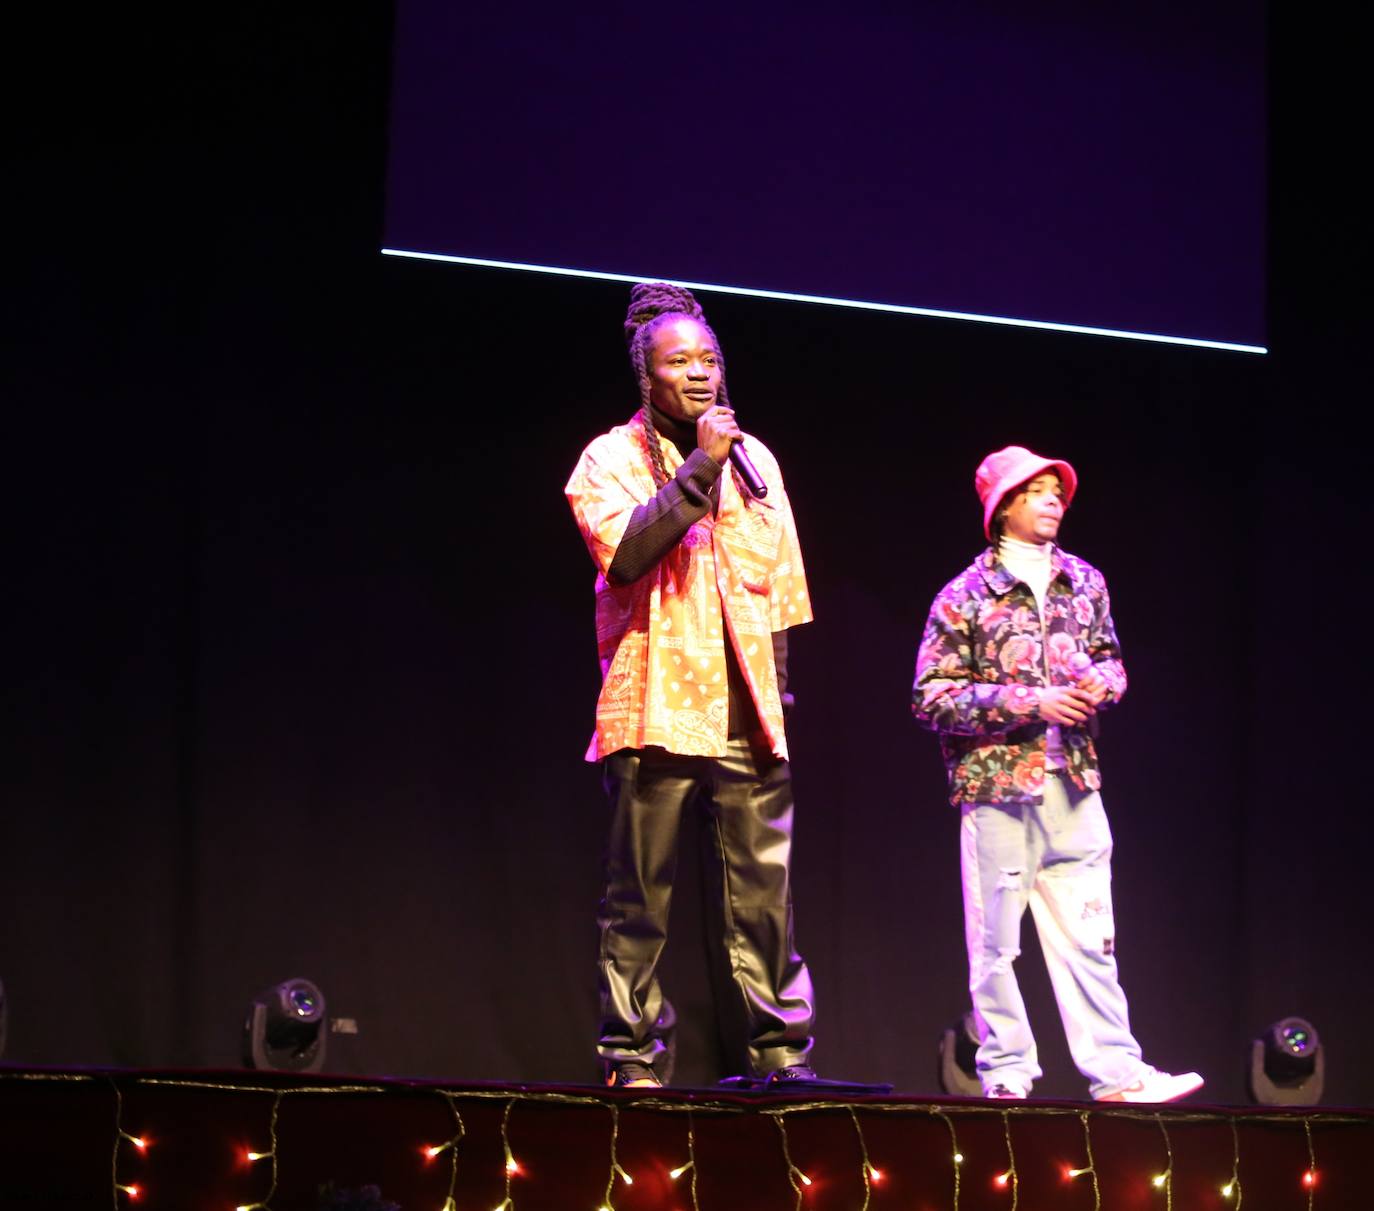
x: 1080, y: 664
x: 747, y: 471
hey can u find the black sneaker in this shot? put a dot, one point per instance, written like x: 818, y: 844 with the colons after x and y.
x: 793, y: 1074
x: 632, y: 1074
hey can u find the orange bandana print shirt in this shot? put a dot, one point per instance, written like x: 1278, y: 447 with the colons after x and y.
x: 734, y: 577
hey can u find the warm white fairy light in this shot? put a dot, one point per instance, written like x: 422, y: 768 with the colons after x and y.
x: 1165, y: 1181
x: 1074, y: 1172
x: 872, y: 1176
x: 512, y: 1166
x: 956, y: 1154
x: 1009, y: 1177
x: 617, y: 1169
x: 795, y: 1177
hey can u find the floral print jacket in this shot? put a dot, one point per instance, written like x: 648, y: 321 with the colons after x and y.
x: 984, y: 655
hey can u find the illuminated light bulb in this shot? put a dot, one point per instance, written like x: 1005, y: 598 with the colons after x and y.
x: 1159, y: 1179
x: 512, y: 1165
x: 806, y: 1181
x: 1003, y: 1178
x: 1309, y: 1178
x: 432, y: 1150
x: 624, y: 1177
x: 132, y: 1191
x: 256, y: 1156
x: 1227, y: 1190
x: 958, y: 1158
x: 875, y: 1174
x: 680, y: 1170
x: 138, y: 1142
x: 505, y: 1202
x: 1070, y: 1174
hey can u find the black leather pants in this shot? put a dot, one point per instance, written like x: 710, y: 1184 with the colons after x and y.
x: 747, y: 796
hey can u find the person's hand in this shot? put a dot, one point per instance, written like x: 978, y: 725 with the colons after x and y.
x: 1067, y: 704
x: 1095, y: 686
x: 717, y: 432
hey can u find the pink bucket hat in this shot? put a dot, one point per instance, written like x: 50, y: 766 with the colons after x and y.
x: 999, y: 473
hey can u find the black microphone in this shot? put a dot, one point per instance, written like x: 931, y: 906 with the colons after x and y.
x: 747, y: 471
x: 1080, y: 664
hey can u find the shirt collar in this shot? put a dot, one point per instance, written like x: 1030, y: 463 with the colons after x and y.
x: 1001, y: 581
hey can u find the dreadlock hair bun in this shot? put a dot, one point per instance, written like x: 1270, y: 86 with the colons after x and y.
x: 649, y: 300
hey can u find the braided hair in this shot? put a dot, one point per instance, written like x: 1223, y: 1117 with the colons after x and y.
x: 651, y: 304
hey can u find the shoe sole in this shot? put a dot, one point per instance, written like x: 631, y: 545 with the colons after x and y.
x: 1182, y: 1091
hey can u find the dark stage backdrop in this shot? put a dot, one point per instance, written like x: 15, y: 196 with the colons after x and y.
x: 301, y: 664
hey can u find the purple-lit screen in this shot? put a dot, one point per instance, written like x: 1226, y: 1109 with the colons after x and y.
x: 1084, y: 164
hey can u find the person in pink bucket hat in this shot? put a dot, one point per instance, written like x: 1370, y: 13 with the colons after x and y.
x: 1018, y: 657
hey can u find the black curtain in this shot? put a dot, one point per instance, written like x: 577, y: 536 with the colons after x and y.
x: 301, y: 661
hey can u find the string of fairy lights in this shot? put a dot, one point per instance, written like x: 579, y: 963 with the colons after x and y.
x: 131, y: 1146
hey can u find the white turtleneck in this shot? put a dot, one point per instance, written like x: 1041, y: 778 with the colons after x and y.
x: 1032, y: 564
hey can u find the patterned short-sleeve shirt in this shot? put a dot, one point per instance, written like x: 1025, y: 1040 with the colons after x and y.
x: 735, y: 577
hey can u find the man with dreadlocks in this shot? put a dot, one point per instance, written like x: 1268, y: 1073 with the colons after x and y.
x: 1018, y: 657
x: 698, y: 582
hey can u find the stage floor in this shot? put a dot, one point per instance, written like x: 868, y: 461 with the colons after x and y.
x: 182, y: 1140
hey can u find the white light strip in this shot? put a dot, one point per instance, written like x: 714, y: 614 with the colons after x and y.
x: 816, y: 298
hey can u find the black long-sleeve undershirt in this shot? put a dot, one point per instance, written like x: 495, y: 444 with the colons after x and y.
x: 658, y: 525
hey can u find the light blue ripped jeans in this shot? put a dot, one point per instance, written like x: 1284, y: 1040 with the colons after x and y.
x: 1056, y: 855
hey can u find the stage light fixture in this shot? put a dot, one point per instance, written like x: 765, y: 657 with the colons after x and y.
x: 1287, y: 1065
x: 959, y: 1059
x: 284, y: 1029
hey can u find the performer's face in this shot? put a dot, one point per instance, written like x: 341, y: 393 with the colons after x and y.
x: 684, y: 369
x: 1036, y: 509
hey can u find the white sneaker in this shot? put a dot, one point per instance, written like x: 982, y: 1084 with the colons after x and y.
x: 1155, y: 1086
x: 1000, y: 1091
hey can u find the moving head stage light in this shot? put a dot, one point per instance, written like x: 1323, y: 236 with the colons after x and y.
x: 284, y: 1029
x: 959, y: 1059
x: 1287, y: 1065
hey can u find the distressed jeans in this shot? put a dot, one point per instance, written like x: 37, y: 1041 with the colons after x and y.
x: 1056, y: 856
